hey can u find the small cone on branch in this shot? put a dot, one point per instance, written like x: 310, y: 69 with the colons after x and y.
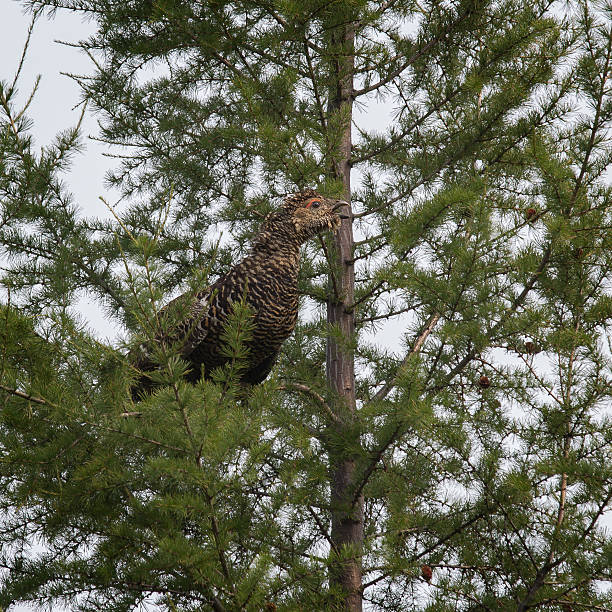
x: 484, y: 382
x: 426, y: 572
x: 530, y: 347
x: 531, y: 214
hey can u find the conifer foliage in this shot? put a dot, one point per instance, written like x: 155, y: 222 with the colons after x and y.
x: 436, y: 434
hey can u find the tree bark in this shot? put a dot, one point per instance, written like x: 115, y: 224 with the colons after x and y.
x: 347, y: 516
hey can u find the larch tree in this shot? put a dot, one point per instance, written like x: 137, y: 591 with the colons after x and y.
x: 465, y: 465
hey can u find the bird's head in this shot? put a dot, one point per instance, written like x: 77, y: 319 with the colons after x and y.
x: 308, y: 213
x: 301, y: 216
x: 311, y: 213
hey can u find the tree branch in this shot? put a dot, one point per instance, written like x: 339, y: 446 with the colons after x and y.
x: 30, y: 398
x: 312, y: 393
x: 384, y: 391
x: 515, y: 304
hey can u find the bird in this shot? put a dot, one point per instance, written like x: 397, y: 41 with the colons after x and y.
x: 266, y: 281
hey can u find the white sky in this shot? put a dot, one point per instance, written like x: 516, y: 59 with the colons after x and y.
x: 53, y: 107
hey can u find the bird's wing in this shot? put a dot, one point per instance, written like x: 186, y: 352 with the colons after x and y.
x: 189, y: 319
x: 211, y: 308
x: 204, y: 314
x: 193, y: 318
x: 184, y: 319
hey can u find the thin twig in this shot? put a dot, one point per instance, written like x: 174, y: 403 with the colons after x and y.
x: 332, y: 273
x: 30, y: 398
x: 312, y: 393
x: 384, y: 391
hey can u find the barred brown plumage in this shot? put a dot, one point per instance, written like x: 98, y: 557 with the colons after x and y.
x: 266, y: 279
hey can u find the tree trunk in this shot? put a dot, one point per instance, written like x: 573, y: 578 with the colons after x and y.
x: 347, y: 515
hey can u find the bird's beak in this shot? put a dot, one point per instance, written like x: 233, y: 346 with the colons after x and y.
x: 340, y: 204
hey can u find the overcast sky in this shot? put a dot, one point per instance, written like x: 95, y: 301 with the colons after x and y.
x: 53, y: 108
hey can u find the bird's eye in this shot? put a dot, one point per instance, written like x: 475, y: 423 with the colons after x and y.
x: 313, y: 204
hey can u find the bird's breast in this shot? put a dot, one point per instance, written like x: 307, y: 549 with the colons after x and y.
x: 274, y: 297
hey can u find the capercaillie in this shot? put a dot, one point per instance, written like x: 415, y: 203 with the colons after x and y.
x: 266, y: 279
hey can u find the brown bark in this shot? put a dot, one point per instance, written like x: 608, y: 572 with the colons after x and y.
x: 347, y: 515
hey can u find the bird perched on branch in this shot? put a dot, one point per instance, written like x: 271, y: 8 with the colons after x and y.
x: 266, y: 279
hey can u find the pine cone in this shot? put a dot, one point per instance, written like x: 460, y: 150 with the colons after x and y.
x: 426, y: 572
x: 484, y: 382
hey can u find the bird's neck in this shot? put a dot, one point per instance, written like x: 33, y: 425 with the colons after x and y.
x: 284, y: 255
x: 288, y: 250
